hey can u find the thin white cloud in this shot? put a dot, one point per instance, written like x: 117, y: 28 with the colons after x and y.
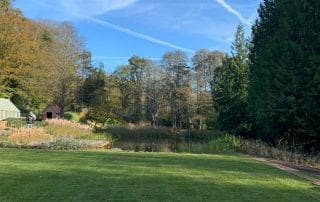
x: 233, y: 11
x: 95, y: 7
x: 111, y: 57
x: 71, y: 12
x: 121, y: 57
x: 135, y: 34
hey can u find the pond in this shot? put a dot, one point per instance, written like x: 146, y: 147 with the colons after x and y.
x: 178, y: 144
x: 161, y: 139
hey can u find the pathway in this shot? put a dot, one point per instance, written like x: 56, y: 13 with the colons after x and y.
x: 293, y: 169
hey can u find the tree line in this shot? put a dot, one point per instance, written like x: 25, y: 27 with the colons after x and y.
x: 169, y: 93
x: 45, y: 62
x: 267, y: 88
x: 270, y: 88
x: 39, y: 60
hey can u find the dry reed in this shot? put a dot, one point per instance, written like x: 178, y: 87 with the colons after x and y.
x: 3, y: 124
x: 29, y: 136
x: 68, y: 123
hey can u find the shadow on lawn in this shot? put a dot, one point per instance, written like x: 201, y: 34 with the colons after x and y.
x: 82, y: 176
x: 202, y: 163
x: 89, y: 186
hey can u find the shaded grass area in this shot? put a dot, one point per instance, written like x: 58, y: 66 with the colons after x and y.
x: 40, y: 175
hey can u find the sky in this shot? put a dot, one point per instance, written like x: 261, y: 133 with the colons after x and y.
x: 115, y: 30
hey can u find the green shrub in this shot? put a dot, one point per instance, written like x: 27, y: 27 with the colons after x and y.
x: 55, y: 145
x: 211, y: 120
x: 16, y: 122
x: 21, y: 123
x: 72, y: 116
x: 52, y: 134
x: 67, y: 144
x: 224, y: 143
x: 221, y: 143
x: 97, y: 136
x: 112, y: 122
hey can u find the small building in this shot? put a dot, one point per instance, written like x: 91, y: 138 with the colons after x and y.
x: 8, y: 109
x: 51, y: 112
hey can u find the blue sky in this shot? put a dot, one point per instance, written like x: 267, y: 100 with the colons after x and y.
x: 114, y: 30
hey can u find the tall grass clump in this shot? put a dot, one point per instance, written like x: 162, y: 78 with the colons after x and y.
x: 21, y: 123
x: 221, y: 143
x: 60, y: 128
x: 3, y: 125
x: 224, y: 143
x: 70, y: 124
x: 29, y: 136
x: 262, y: 149
x: 54, y: 134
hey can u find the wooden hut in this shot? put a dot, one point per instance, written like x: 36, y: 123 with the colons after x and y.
x: 8, y: 109
x: 52, y: 112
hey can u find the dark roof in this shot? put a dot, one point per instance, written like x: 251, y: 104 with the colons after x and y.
x: 53, y: 108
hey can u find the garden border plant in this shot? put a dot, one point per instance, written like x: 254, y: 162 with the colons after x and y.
x: 54, y: 134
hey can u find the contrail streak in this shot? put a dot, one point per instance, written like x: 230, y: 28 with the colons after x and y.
x: 122, y: 58
x: 125, y: 30
x: 233, y: 11
x: 136, y: 34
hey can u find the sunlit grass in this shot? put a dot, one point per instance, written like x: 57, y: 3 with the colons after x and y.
x: 39, y: 175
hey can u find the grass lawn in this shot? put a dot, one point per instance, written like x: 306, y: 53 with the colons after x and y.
x: 40, y: 175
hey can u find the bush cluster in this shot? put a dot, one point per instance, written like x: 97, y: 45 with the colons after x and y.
x: 261, y: 149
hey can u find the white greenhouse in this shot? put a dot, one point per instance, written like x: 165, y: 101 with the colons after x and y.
x: 8, y: 109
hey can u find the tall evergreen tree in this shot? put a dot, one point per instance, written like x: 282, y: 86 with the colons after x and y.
x: 229, y: 87
x: 97, y: 96
x: 284, y: 87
